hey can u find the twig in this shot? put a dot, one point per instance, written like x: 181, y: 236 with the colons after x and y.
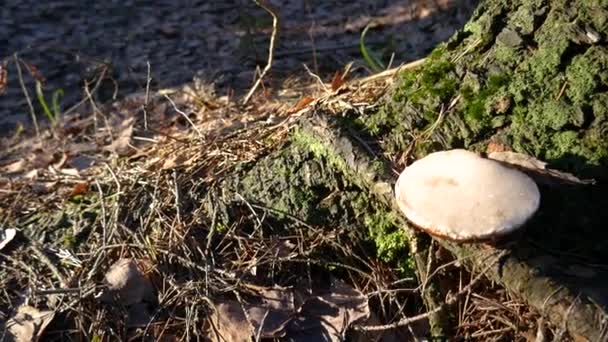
x: 147, y: 100
x: 259, y: 226
x: 561, y: 91
x: 393, y: 71
x: 451, y: 299
x: 27, y: 95
x: 316, y: 77
x: 92, y: 91
x: 273, y: 36
x: 200, y: 134
x: 71, y: 290
x: 259, y: 333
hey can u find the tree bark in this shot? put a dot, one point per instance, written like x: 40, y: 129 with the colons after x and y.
x: 528, y: 76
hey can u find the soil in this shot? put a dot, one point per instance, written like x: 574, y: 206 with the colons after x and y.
x: 219, y: 41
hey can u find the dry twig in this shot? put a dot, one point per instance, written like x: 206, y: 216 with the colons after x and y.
x: 273, y: 36
x: 452, y: 299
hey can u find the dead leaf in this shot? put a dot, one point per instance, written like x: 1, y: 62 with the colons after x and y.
x: 285, y: 249
x: 127, y: 283
x: 61, y: 162
x: 496, y: 147
x: 229, y: 323
x: 268, y: 317
x: 80, y: 188
x: 537, y: 168
x: 70, y: 172
x: 337, y: 81
x: 122, y: 144
x: 42, y: 187
x: 28, y: 324
x: 6, y: 236
x: 327, y: 316
x: 518, y: 159
x: 14, y: 167
x: 304, y: 101
x: 31, y: 174
x: 273, y: 313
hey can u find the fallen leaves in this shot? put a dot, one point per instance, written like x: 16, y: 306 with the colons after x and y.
x: 337, y: 81
x: 129, y: 287
x: 128, y: 283
x: 273, y: 313
x: 28, y: 324
x: 302, y: 103
x: 80, y: 188
x: 122, y: 144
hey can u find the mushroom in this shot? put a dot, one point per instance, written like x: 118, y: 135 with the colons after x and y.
x: 461, y: 196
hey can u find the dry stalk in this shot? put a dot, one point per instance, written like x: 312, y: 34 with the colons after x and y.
x: 196, y: 129
x: 26, y: 94
x: 273, y: 36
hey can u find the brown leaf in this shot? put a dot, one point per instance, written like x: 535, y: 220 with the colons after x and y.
x: 28, y: 324
x: 42, y: 187
x: 330, y: 314
x: 303, y: 102
x: 518, y: 159
x: 80, y: 188
x: 14, y: 167
x: 537, y: 168
x: 122, y: 144
x: 337, y: 81
x: 268, y: 317
x: 229, y: 323
x: 274, y: 311
x: 126, y: 282
x: 496, y: 147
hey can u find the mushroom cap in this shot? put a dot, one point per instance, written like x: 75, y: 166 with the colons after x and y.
x: 462, y: 196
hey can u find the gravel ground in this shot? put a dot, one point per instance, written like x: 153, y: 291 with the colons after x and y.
x: 220, y: 41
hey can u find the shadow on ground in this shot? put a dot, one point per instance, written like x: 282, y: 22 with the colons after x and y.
x: 71, y: 42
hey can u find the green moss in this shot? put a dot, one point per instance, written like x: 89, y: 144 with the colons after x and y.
x: 415, y: 103
x: 318, y: 149
x: 382, y: 224
x: 585, y: 73
x: 534, y: 79
x: 384, y: 230
x: 479, y: 105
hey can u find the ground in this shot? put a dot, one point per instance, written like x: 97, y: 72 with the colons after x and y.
x: 181, y: 213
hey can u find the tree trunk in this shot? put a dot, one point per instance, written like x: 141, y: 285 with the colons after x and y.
x: 529, y: 76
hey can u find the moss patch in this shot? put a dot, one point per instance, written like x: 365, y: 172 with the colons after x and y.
x: 307, y: 180
x: 534, y: 78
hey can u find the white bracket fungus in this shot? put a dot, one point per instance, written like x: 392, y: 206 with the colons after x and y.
x: 461, y: 196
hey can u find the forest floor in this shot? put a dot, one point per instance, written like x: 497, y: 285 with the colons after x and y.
x: 123, y: 129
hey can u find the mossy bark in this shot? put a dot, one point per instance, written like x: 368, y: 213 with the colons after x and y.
x: 530, y: 75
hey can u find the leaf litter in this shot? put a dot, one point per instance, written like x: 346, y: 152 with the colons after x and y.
x: 324, y: 315
x: 28, y: 324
